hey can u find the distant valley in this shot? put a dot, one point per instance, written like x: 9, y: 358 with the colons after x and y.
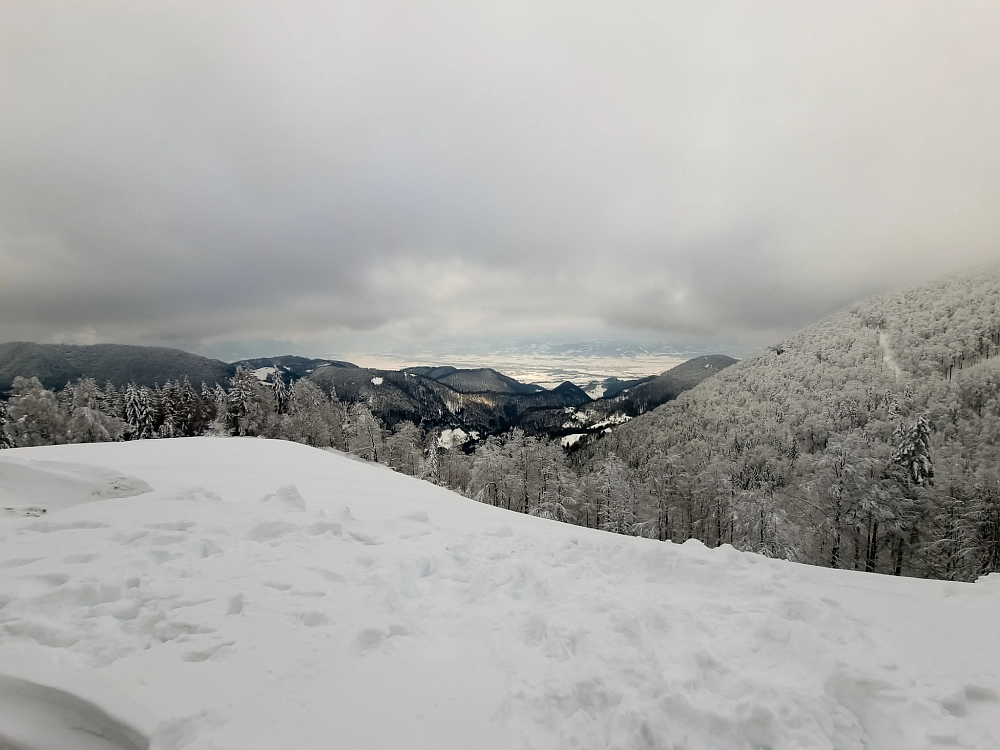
x: 473, y: 401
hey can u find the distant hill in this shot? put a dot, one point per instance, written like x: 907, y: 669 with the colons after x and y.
x: 647, y: 395
x: 408, y: 395
x: 481, y: 380
x: 626, y: 402
x: 57, y: 364
x: 291, y: 366
x: 611, y: 387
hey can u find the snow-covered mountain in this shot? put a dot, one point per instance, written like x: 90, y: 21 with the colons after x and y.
x: 210, y: 593
x: 807, y: 449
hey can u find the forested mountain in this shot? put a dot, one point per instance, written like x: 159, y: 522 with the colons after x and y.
x: 55, y: 365
x: 398, y: 396
x: 625, y: 403
x: 611, y: 387
x: 481, y: 380
x: 870, y: 440
x: 290, y: 366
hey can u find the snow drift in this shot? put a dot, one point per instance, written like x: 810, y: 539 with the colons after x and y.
x: 261, y: 594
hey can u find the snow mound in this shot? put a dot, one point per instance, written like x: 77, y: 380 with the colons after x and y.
x: 34, y: 487
x: 386, y: 612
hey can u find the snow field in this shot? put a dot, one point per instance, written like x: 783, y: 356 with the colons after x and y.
x: 267, y: 595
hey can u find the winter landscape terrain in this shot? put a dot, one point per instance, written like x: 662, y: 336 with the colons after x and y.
x: 249, y: 593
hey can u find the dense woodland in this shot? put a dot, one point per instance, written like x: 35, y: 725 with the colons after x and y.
x: 869, y: 441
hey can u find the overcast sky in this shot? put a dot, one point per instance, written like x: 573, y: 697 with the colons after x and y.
x: 244, y: 177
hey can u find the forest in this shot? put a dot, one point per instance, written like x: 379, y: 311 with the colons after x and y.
x: 868, y: 441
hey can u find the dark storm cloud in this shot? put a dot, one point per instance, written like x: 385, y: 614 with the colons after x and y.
x: 206, y: 172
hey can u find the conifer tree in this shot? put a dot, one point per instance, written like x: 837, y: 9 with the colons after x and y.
x: 280, y: 390
x: 248, y: 406
x: 6, y: 439
x: 429, y: 464
x: 913, y: 451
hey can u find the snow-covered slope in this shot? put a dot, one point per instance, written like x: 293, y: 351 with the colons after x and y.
x: 268, y: 595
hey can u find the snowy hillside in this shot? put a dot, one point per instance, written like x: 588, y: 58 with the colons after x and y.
x: 216, y: 593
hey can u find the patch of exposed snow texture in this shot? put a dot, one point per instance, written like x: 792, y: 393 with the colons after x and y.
x: 449, y: 439
x: 263, y: 373
x: 269, y: 595
x: 377, y: 381
x: 612, y: 419
x: 887, y: 355
x: 568, y: 440
x: 596, y: 392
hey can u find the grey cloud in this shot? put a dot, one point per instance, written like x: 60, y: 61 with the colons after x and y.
x: 236, y: 172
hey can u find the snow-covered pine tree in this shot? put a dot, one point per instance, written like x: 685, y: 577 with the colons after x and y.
x: 6, y: 439
x: 249, y: 405
x: 429, y: 464
x: 169, y: 410
x: 112, y: 401
x: 136, y: 412
x: 280, y: 390
x: 188, y: 422
x: 913, y: 451
x: 90, y: 419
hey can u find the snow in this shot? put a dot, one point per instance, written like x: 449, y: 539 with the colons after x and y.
x: 887, y: 355
x: 263, y: 373
x: 612, y: 419
x: 450, y: 438
x: 377, y: 381
x: 263, y: 594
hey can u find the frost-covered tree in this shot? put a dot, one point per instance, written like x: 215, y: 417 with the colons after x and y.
x: 248, y: 406
x: 90, y: 419
x: 489, y: 481
x: 311, y: 417
x: 35, y: 415
x: 982, y: 521
x: 6, y: 439
x: 913, y: 451
x: 402, y: 449
x: 429, y: 469
x: 169, y: 411
x: 138, y: 420
x: 558, y: 486
x: 364, y: 433
x: 616, y: 512
x: 280, y: 391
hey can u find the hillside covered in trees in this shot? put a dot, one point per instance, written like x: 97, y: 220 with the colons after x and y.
x: 55, y: 365
x: 871, y: 440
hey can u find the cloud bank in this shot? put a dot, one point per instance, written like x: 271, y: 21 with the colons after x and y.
x: 311, y: 173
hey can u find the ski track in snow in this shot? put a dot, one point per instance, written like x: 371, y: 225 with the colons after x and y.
x: 268, y: 595
x: 887, y: 355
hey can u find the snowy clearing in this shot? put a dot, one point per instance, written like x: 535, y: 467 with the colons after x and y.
x: 263, y: 594
x: 887, y: 355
